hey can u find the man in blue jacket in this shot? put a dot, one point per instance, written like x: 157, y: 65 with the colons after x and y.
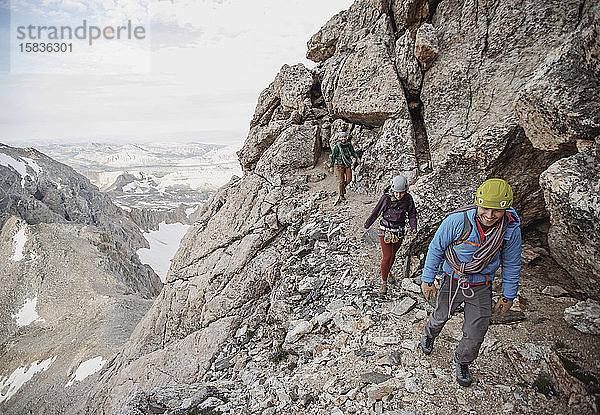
x: 471, y: 244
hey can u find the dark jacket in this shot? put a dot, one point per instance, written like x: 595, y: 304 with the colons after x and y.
x: 342, y: 154
x: 394, y: 211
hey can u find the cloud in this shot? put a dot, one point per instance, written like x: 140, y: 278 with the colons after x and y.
x: 208, y: 63
x: 165, y: 35
x: 73, y: 6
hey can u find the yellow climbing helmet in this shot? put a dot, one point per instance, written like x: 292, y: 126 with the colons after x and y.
x: 494, y: 194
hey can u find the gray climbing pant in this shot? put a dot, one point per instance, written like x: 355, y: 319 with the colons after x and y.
x: 478, y: 310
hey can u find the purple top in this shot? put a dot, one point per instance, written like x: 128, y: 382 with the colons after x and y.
x: 394, y: 211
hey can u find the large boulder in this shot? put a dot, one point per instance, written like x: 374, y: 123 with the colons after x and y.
x: 487, y: 55
x: 296, y: 147
x: 572, y: 192
x: 394, y: 149
x: 322, y: 45
x: 561, y: 104
x: 286, y: 101
x: 358, y: 75
x: 363, y: 86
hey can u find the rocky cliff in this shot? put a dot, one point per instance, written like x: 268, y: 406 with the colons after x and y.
x: 72, y: 286
x: 269, y: 305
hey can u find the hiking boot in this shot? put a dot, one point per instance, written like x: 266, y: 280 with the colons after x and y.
x: 342, y: 197
x: 462, y: 374
x: 427, y: 344
x: 384, y: 288
x: 337, y: 201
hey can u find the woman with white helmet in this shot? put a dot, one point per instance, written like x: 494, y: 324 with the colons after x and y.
x: 393, y: 207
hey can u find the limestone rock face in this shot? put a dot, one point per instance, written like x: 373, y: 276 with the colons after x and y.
x: 58, y: 304
x: 560, y: 104
x: 487, y: 55
x: 363, y: 86
x: 572, y: 192
x: 46, y: 191
x: 426, y: 45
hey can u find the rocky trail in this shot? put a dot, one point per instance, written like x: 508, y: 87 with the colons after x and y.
x: 348, y: 349
x: 271, y: 305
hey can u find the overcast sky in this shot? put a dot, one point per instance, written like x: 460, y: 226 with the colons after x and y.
x: 194, y: 73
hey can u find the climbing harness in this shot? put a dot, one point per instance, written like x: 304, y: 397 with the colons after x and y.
x: 390, y: 237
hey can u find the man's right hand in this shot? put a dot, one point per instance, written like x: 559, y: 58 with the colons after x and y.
x: 331, y: 170
x: 428, y: 289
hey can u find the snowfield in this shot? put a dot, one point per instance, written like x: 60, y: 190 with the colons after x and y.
x: 10, y: 385
x: 87, y: 368
x: 28, y: 314
x: 19, y: 240
x: 163, y: 245
x: 20, y: 166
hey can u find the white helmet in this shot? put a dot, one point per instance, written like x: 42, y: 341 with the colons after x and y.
x: 399, y: 184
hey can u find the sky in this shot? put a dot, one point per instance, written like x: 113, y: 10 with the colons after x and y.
x: 192, y: 71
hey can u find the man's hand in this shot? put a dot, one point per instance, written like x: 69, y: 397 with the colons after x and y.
x: 331, y: 170
x: 428, y: 288
x: 357, y: 162
x: 502, y: 305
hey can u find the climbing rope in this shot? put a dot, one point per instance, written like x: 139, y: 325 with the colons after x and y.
x: 480, y: 259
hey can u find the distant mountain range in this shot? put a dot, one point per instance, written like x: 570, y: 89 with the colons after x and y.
x: 160, y: 176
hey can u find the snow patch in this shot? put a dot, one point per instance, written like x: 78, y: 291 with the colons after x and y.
x: 164, y: 243
x: 87, y: 368
x: 20, y: 166
x: 19, y: 240
x: 189, y: 211
x: 10, y: 385
x: 27, y: 314
x: 33, y: 165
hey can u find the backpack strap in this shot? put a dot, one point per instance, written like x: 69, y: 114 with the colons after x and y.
x: 466, y: 231
x: 467, y: 228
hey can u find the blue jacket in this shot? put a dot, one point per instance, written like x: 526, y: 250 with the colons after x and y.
x: 509, y: 256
